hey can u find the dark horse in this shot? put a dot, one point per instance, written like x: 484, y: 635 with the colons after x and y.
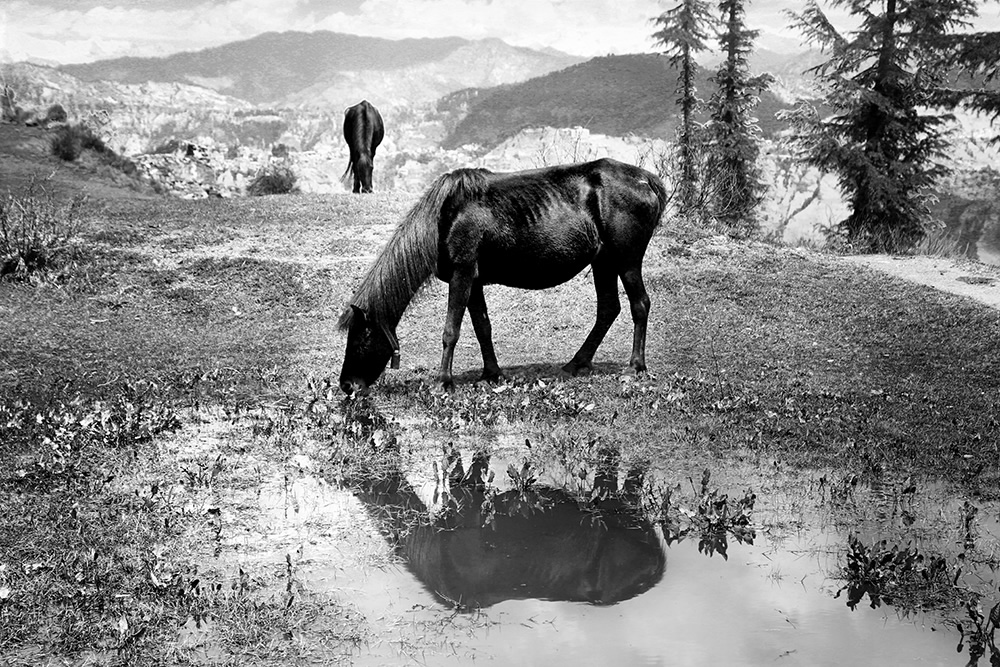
x: 532, y: 230
x: 363, y: 131
x: 484, y: 547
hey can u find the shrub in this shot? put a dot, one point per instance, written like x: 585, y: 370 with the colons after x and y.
x: 66, y: 145
x: 35, y: 231
x: 71, y: 140
x: 56, y: 114
x: 276, y: 181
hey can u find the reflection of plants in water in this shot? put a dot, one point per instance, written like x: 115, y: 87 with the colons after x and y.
x: 980, y: 633
x: 897, y: 576
x: 711, y: 515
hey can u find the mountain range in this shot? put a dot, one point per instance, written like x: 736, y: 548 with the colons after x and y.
x: 615, y: 95
x: 300, y: 69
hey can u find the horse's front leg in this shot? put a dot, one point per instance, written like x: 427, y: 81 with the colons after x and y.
x: 484, y: 332
x: 459, y: 290
x: 608, y: 307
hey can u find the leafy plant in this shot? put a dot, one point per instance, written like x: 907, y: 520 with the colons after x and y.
x: 36, y: 231
x: 70, y: 141
x: 58, y: 434
x: 891, y: 574
x: 273, y: 181
x: 56, y: 114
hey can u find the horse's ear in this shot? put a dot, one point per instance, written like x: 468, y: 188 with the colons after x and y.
x: 360, y: 315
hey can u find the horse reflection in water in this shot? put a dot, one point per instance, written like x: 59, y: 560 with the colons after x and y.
x: 539, y: 542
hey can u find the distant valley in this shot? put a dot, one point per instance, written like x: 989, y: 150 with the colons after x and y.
x: 210, y: 121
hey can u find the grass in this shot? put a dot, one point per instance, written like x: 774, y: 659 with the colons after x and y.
x: 188, y: 357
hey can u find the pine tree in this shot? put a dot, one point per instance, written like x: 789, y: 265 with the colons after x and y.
x: 978, y: 53
x: 884, y: 140
x: 683, y: 32
x: 733, y: 178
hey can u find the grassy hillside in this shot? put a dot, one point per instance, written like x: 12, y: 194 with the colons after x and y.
x: 168, y: 399
x: 612, y: 95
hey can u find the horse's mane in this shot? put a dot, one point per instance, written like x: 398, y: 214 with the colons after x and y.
x: 410, y: 257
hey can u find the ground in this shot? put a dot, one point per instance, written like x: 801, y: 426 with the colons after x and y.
x: 185, y: 473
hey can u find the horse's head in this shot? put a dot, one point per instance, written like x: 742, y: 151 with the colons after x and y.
x: 369, y: 348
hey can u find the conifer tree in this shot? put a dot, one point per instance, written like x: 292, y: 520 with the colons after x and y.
x: 978, y: 53
x: 733, y: 178
x: 683, y: 32
x: 884, y: 140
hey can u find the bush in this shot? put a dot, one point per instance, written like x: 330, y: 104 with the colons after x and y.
x: 71, y: 140
x: 66, y: 145
x: 35, y: 232
x: 278, y: 181
x: 56, y: 114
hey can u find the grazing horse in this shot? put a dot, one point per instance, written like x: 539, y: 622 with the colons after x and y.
x: 363, y: 131
x: 484, y: 547
x: 532, y: 230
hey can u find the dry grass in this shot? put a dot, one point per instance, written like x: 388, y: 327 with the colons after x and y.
x: 226, y: 310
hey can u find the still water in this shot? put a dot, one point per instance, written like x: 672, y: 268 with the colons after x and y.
x: 538, y: 580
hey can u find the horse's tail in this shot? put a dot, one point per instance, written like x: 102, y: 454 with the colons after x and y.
x: 662, y: 198
x: 410, y: 257
x: 348, y: 172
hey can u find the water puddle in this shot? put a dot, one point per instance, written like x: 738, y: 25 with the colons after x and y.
x: 462, y: 557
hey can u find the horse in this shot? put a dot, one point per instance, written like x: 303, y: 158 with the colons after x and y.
x: 363, y: 131
x: 532, y: 230
x: 483, y: 547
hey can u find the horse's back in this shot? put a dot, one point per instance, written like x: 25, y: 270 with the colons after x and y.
x: 536, y: 229
x: 363, y: 127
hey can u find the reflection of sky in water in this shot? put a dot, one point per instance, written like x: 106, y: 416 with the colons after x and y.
x: 769, y: 604
x: 708, y: 611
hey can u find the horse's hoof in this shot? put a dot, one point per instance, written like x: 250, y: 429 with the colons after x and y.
x: 576, y: 370
x: 492, y: 377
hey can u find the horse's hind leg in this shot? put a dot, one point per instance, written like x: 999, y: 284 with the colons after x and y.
x: 639, y: 300
x: 484, y: 332
x: 608, y: 307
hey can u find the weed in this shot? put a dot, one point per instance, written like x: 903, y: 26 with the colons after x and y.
x: 939, y: 242
x: 712, y: 517
x: 57, y: 435
x: 273, y: 181
x: 36, y: 231
x: 900, y: 576
x: 980, y: 631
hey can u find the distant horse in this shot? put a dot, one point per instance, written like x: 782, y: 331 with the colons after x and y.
x: 532, y: 230
x: 363, y: 131
x: 486, y: 547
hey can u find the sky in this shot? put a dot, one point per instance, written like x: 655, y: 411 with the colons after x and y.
x: 74, y: 31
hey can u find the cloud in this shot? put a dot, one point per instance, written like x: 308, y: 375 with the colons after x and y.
x: 69, y: 31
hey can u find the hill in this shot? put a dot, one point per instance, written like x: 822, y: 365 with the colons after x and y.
x: 323, y: 67
x: 616, y: 95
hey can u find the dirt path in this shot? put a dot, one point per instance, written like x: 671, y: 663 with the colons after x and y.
x: 977, y: 281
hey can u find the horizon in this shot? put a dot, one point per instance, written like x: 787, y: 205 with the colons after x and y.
x: 64, y: 32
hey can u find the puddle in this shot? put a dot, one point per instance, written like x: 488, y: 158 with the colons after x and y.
x: 462, y: 559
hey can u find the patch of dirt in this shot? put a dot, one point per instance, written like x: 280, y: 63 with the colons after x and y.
x: 977, y: 281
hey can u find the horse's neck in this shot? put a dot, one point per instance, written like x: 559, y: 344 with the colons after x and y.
x: 401, y: 270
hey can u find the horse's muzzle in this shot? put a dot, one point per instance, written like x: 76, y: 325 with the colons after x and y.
x: 351, y: 387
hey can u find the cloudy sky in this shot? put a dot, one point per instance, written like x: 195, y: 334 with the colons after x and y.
x: 71, y: 31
